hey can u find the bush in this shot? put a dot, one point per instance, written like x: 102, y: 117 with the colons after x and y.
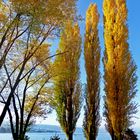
x: 130, y: 135
x: 56, y: 137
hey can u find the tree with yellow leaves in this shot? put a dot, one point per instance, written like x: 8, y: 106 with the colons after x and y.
x: 25, y: 21
x: 17, y: 16
x: 120, y: 69
x: 92, y: 61
x: 31, y: 97
x: 67, y: 87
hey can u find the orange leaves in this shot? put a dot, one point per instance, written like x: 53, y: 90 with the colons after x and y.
x: 3, y: 11
x: 2, y: 16
x: 118, y: 65
x: 92, y: 62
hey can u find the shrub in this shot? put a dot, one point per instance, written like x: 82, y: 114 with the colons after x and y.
x: 56, y: 137
x: 130, y: 135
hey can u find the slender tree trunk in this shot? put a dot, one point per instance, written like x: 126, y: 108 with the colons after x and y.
x: 5, y: 109
x: 70, y: 115
x: 11, y: 94
x: 92, y: 137
x: 112, y: 137
x: 21, y: 137
x: 120, y: 137
x: 92, y: 132
x: 70, y: 136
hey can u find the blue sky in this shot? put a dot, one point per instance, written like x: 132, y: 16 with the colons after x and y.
x: 134, y: 42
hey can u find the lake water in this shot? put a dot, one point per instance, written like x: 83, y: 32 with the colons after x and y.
x: 46, y: 136
x: 78, y: 135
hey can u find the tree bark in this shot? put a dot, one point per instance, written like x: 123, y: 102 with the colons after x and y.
x: 6, y: 107
x: 92, y: 137
x: 70, y: 136
x: 70, y: 115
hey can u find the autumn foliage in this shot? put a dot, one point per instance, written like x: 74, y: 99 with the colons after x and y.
x: 120, y: 69
x: 67, y: 87
x: 92, y: 62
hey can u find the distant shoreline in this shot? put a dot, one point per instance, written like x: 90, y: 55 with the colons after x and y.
x: 52, y: 129
x: 40, y: 132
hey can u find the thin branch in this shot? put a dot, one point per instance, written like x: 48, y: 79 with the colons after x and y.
x: 8, y: 28
x: 7, y: 73
x: 40, y: 63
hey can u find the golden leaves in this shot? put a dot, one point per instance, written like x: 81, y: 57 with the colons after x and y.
x: 47, y: 11
x: 118, y: 64
x: 42, y: 52
x: 92, y: 17
x: 92, y: 62
x: 2, y: 16
x: 3, y: 12
x: 67, y: 89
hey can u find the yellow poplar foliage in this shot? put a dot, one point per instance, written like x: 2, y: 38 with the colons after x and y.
x: 67, y: 87
x: 70, y: 45
x: 120, y: 78
x: 92, y: 62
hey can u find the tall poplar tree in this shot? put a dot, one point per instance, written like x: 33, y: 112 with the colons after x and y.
x: 120, y: 69
x: 92, y: 61
x: 67, y: 87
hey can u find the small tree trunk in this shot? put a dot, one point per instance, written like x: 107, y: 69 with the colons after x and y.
x: 70, y: 115
x: 92, y: 133
x: 113, y: 136
x: 15, y: 137
x: 120, y: 137
x: 70, y: 136
x: 92, y: 137
x: 21, y: 137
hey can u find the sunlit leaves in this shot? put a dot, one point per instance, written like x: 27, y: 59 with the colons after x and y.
x: 120, y: 69
x: 92, y: 62
x: 49, y: 12
x: 67, y: 87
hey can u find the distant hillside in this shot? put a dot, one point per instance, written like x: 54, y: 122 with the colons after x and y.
x: 5, y: 128
x: 45, y: 128
x: 39, y: 129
